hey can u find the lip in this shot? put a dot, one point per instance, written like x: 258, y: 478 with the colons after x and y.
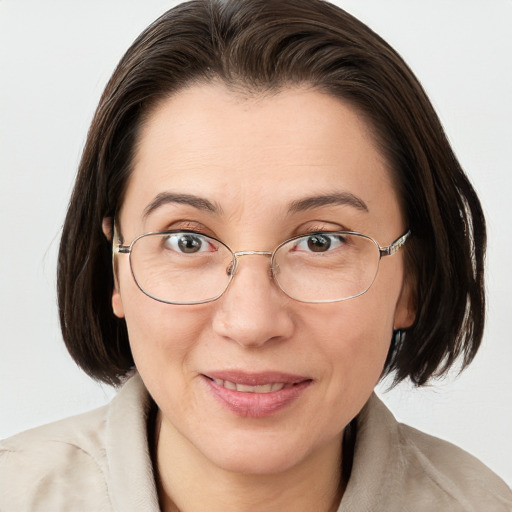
x: 254, y: 404
x: 256, y: 379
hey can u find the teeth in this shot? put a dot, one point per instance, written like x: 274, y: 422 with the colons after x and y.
x: 244, y: 388
x: 229, y: 385
x: 265, y: 388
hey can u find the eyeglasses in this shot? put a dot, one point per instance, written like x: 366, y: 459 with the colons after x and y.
x: 187, y: 267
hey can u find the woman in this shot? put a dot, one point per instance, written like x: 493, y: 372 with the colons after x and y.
x: 267, y: 219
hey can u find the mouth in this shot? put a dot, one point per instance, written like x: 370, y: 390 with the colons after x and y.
x: 245, y: 388
x: 256, y: 395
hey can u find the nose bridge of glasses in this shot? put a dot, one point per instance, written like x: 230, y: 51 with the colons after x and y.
x: 252, y: 253
x: 232, y: 268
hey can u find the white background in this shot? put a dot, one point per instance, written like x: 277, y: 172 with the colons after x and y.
x: 55, y: 58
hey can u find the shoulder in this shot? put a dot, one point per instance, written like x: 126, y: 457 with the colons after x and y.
x: 35, y: 466
x: 94, y: 461
x: 397, y: 468
x: 455, y: 474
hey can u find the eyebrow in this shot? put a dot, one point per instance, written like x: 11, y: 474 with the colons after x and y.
x: 308, y: 203
x: 189, y: 199
x: 340, y: 198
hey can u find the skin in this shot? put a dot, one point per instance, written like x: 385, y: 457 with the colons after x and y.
x: 252, y: 157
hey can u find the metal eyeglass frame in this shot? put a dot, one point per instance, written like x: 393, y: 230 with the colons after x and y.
x: 119, y: 248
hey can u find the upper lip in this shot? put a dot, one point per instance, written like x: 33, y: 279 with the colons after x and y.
x: 255, y: 378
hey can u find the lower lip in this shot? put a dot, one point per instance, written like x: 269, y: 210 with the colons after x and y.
x: 256, y: 405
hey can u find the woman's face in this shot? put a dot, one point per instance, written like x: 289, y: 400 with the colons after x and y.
x: 252, y: 158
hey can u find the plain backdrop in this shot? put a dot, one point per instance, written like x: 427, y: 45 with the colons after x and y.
x: 55, y: 58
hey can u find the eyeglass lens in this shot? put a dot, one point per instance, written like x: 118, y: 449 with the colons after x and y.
x: 188, y: 268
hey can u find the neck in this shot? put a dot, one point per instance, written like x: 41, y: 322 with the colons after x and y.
x: 188, y: 482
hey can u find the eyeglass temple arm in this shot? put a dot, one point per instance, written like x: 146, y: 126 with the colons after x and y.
x: 117, y: 246
x: 396, y: 245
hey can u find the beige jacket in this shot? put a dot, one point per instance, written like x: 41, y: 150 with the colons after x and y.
x: 99, y: 461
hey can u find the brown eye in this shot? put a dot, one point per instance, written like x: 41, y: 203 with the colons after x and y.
x: 187, y: 243
x: 190, y: 243
x: 318, y: 243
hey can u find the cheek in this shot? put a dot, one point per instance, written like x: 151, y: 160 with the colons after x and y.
x: 355, y: 343
x: 364, y: 347
x: 161, y: 335
x: 361, y: 327
x: 164, y: 344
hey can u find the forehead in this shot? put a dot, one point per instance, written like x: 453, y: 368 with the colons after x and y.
x: 255, y: 153
x: 210, y: 121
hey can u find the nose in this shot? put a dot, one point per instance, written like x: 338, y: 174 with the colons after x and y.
x: 253, y: 311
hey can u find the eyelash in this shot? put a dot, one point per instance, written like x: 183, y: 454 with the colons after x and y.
x: 322, y: 228
x: 201, y: 229
x: 189, y: 225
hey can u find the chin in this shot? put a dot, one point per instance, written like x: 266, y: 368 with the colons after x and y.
x: 250, y: 456
x: 260, y: 464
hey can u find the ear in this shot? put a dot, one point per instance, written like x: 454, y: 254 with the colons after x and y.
x: 405, y: 311
x: 117, y: 302
x: 106, y: 227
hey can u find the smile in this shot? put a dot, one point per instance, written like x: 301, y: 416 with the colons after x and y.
x: 245, y: 388
x: 255, y: 395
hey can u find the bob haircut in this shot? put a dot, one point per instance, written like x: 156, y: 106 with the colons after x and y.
x: 263, y: 46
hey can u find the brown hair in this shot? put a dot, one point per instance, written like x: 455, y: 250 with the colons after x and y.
x: 261, y: 45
